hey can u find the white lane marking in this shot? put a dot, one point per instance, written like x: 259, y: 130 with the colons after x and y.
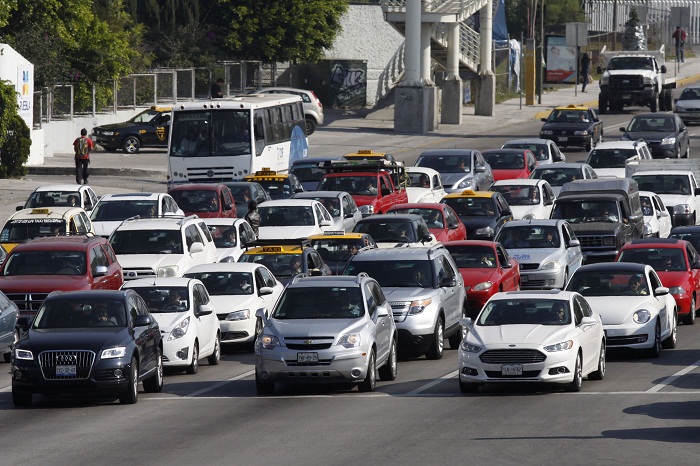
x: 425, y: 387
x: 220, y: 384
x: 6, y: 389
x: 674, y: 377
x: 272, y: 397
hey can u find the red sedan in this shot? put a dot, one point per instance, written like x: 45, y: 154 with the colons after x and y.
x: 678, y: 265
x: 206, y: 200
x: 510, y: 164
x: 486, y: 269
x: 442, y: 221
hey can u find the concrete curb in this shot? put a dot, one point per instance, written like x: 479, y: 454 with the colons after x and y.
x: 70, y: 171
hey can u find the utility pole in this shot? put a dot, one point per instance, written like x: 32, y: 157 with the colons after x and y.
x: 614, y: 26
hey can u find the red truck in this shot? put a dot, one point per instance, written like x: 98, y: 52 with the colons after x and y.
x: 373, y: 191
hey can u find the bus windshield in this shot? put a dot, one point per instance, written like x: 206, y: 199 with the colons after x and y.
x: 200, y: 133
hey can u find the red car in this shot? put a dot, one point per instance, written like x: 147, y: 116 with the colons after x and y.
x: 442, y: 221
x: 486, y: 269
x: 510, y: 164
x: 678, y: 265
x: 206, y: 200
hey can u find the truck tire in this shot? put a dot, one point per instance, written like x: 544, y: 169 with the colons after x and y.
x: 669, y: 99
x: 662, y: 100
x: 653, y: 103
x: 602, y: 104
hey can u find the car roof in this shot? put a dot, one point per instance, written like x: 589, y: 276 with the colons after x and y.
x: 338, y: 235
x: 528, y: 141
x: 662, y: 172
x: 87, y: 294
x: 631, y: 267
x: 165, y: 223
x: 413, y: 253
x: 686, y: 229
x: 60, y: 187
x: 248, y: 267
x: 198, y: 187
x: 393, y: 218
x: 670, y: 243
x: 289, y: 203
x: 538, y: 294
x: 554, y: 166
x: 506, y: 150
x: 471, y: 242
x: 51, y: 243
x: 419, y: 205
x: 443, y: 152
x: 314, y: 194
x: 131, y: 196
x: 534, y: 222
x: 520, y: 182
x: 571, y: 107
x: 222, y: 221
x: 46, y: 212
x: 276, y: 249
x: 159, y: 281
x: 622, y: 144
x: 329, y: 281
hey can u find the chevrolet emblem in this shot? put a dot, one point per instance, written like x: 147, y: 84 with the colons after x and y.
x: 308, y: 342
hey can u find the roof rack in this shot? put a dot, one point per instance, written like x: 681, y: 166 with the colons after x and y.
x: 360, y: 276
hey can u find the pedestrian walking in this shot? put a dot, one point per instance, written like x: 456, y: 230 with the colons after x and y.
x: 585, y: 69
x: 679, y: 37
x: 82, y: 147
x: 253, y: 217
x: 216, y: 91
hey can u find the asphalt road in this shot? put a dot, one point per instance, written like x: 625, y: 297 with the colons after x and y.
x: 644, y: 412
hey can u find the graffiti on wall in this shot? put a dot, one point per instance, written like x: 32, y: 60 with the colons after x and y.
x: 348, y: 82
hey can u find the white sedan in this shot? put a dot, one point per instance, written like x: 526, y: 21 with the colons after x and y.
x: 637, y: 311
x: 528, y: 199
x: 657, y: 220
x: 524, y: 336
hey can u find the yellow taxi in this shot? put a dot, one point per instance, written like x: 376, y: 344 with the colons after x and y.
x: 26, y: 224
x: 277, y: 185
x: 573, y: 126
x: 285, y: 260
x: 337, y: 247
x: 483, y: 213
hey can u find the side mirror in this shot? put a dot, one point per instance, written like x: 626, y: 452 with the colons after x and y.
x: 544, y: 120
x: 479, y: 169
x: 661, y: 291
x: 507, y: 265
x: 299, y: 190
x: 466, y: 322
x: 506, y: 213
x: 588, y: 320
x: 548, y: 202
x: 382, y: 311
x: 348, y: 215
x: 622, y: 129
x: 452, y: 226
x: 386, y: 191
x: 23, y: 323
x: 325, y: 223
x: 574, y: 243
x: 261, y: 314
x: 260, y: 200
x: 663, y: 68
x: 265, y: 290
x: 315, y: 273
x: 662, y: 213
x: 142, y: 321
x: 427, y: 239
x: 196, y: 247
x: 101, y: 271
x: 19, y: 207
x: 228, y: 207
x: 695, y: 265
x: 449, y: 281
x: 204, y: 310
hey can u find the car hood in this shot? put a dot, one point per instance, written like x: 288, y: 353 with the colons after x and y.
x: 226, y: 252
x: 650, y: 136
x: 84, y: 338
x: 362, y: 199
x: 514, y: 174
x: 441, y: 235
x: 202, y: 214
x: 395, y: 293
x: 451, y: 179
x: 292, y: 232
x: 167, y: 320
x: 642, y: 72
x: 524, y: 334
x: 153, y: 261
x: 313, y: 327
x: 616, y: 310
x: 105, y: 228
x: 595, y: 228
x: 475, y: 276
x: 519, y: 211
x: 417, y: 195
x: 310, y: 185
x: 535, y: 256
x: 223, y: 304
x: 673, y: 278
x: 610, y: 172
x: 675, y: 199
x: 116, y: 126
x: 478, y: 221
x: 43, y: 283
x: 566, y: 126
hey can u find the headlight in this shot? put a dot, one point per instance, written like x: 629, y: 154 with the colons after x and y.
x: 269, y: 341
x: 677, y: 290
x: 604, y: 80
x: 483, y: 286
x: 108, y: 133
x: 418, y: 306
x: 551, y: 265
x: 366, y: 209
x: 679, y: 108
x: 563, y: 346
x: 469, y: 348
x: 23, y: 354
x: 180, y: 329
x: 350, y: 340
x: 529, y: 217
x: 681, y: 209
x: 641, y: 316
x: 168, y: 271
x: 488, y: 231
x: 608, y: 241
x: 118, y: 352
x: 581, y: 133
x: 648, y: 80
x: 243, y: 314
x: 669, y: 141
x: 465, y: 183
x: 647, y: 229
x: 548, y: 132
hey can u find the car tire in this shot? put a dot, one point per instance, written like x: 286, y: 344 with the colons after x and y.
x: 8, y: 356
x: 655, y: 351
x: 669, y: 99
x: 154, y: 384
x: 21, y: 399
x: 599, y: 374
x: 662, y: 100
x: 370, y: 381
x: 672, y: 340
x: 194, y: 364
x: 687, y: 152
x: 214, y: 358
x: 576, y: 384
x: 437, y: 347
x: 588, y: 147
x: 602, y: 105
x: 250, y: 347
x: 131, y: 145
x: 263, y: 388
x: 389, y: 370
x: 456, y: 338
x: 654, y: 102
x: 310, y: 126
x: 690, y: 318
x: 130, y: 395
x: 466, y: 387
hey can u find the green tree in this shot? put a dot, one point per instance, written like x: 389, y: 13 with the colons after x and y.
x: 519, y: 17
x: 14, y: 134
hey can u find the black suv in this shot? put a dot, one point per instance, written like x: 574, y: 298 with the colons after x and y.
x: 93, y: 341
x: 149, y: 128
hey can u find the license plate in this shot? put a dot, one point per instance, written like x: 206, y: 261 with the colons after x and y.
x: 512, y: 369
x: 65, y: 371
x: 307, y: 357
x: 563, y: 138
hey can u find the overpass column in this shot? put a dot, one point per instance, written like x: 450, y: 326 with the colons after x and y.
x: 452, y: 88
x: 486, y: 92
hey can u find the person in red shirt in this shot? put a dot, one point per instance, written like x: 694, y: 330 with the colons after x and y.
x: 679, y: 37
x: 82, y: 147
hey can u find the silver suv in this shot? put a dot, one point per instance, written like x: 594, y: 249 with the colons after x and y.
x: 426, y: 293
x: 313, y: 108
x: 327, y: 330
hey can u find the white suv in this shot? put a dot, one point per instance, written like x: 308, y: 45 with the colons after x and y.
x: 112, y: 209
x: 162, y: 247
x: 609, y: 158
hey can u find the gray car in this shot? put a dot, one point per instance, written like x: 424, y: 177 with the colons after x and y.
x: 313, y: 108
x: 459, y: 169
x: 687, y: 105
x: 339, y: 204
x: 327, y: 330
x: 545, y: 150
x: 561, y: 173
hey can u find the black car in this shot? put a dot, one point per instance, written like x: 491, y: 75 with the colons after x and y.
x: 483, y: 214
x: 149, y: 128
x: 573, y: 126
x: 88, y: 341
x: 396, y: 228
x: 310, y: 171
x: 664, y: 133
x: 689, y: 233
x: 244, y: 191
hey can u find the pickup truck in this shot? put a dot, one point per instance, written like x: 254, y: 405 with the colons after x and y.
x: 373, y: 192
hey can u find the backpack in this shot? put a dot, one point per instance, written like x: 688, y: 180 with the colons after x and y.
x: 81, y: 150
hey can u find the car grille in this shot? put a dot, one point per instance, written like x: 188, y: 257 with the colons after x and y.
x: 592, y: 241
x: 498, y: 375
x: 532, y: 285
x: 626, y: 81
x: 133, y: 274
x: 529, y: 266
x: 399, y: 310
x: 234, y: 335
x: 315, y: 346
x: 214, y: 173
x: 81, y: 359
x: 628, y: 340
x: 512, y: 356
x: 321, y: 362
x: 27, y: 301
x: 309, y: 343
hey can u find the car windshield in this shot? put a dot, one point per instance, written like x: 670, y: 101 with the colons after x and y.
x: 225, y: 283
x: 164, y: 299
x: 308, y: 172
x: 557, y: 176
x: 80, y: 313
x: 358, y: 185
x: 446, y: 163
x: 146, y: 242
x: 505, y: 160
x: 525, y: 312
x: 576, y: 211
x: 224, y: 236
x: 396, y: 273
x: 337, y: 250
x: 204, y: 200
x: 568, y: 116
x: 654, y: 124
x: 116, y: 211
x: 321, y: 302
x: 241, y: 194
x: 662, y: 259
x: 471, y: 206
x: 609, y: 158
x: 53, y: 198
x: 332, y: 204
x: 281, y: 265
x: 145, y: 116
x: 690, y: 93
x: 630, y: 63
x: 218, y: 132
x: 473, y: 257
x: 529, y: 237
x: 277, y: 189
x: 613, y: 283
x: 46, y: 263
x: 20, y: 230
x: 663, y: 184
x: 540, y: 150
x: 519, y: 194
x: 433, y: 217
x: 286, y: 216
x: 388, y: 232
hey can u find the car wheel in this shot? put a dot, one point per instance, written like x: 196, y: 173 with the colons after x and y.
x: 602, y: 105
x: 8, y: 356
x: 588, y: 147
x: 669, y: 99
x: 438, y: 346
x: 575, y: 385
x: 466, y: 387
x: 21, y: 399
x: 131, y: 145
x: 389, y: 370
x: 215, y: 357
x: 687, y: 152
x: 130, y: 395
x: 599, y: 374
x: 310, y: 126
x: 370, y: 381
x: 653, y: 103
x: 258, y: 330
x: 690, y: 318
x: 154, y: 384
x: 456, y: 338
x: 655, y: 351
x: 672, y: 340
x: 194, y: 365
x: 600, y: 139
x: 262, y: 387
x: 662, y: 100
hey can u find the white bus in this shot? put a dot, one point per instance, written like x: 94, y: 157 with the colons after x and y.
x: 227, y: 139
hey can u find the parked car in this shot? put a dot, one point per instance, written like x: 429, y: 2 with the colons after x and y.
x: 313, y: 108
x: 9, y: 336
x: 482, y: 212
x: 638, y: 312
x: 186, y: 318
x: 206, y: 200
x: 531, y: 337
x: 425, y: 185
x: 88, y: 341
x: 460, y: 169
x: 557, y: 175
x: 687, y: 106
x: 528, y: 199
x: 657, y: 220
x: 231, y: 237
x: 396, y: 230
x: 62, y: 195
x: 113, y: 209
x: 665, y: 134
x: 26, y: 224
x: 610, y: 158
x: 442, y: 221
x: 337, y: 247
x: 509, y: 164
x: 149, y: 128
x: 244, y: 191
x: 344, y: 212
x: 546, y: 151
x: 573, y: 126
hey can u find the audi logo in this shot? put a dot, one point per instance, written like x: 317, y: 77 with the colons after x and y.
x: 66, y: 359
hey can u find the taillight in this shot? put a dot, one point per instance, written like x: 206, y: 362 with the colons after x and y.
x: 318, y: 102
